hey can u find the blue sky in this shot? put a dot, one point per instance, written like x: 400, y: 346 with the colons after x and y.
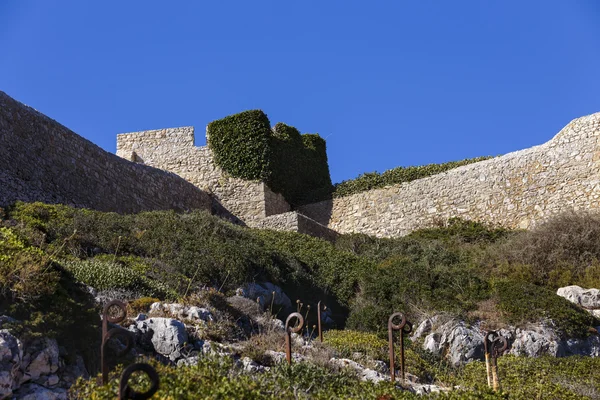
x: 387, y: 83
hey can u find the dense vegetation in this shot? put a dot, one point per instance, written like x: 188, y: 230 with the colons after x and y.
x: 521, y: 378
x: 375, y: 180
x: 292, y: 164
x: 456, y: 268
x: 464, y: 269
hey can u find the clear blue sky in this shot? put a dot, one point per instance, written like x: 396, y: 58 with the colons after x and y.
x: 387, y: 83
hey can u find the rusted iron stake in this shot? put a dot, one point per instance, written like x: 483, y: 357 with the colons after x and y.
x: 319, y: 321
x: 405, y: 330
x: 489, y: 336
x: 391, y: 328
x: 126, y: 392
x: 497, y: 345
x: 107, y: 335
x: 288, y: 334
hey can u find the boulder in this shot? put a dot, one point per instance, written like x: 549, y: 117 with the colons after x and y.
x: 166, y: 336
x: 463, y: 344
x: 536, y: 342
x: 11, y: 354
x: 182, y: 312
x: 265, y: 293
x: 249, y: 365
x: 279, y: 357
x: 365, y: 374
x: 40, y: 358
x: 586, y: 298
x: 33, y: 391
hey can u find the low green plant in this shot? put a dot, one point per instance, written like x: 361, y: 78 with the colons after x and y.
x: 536, y: 378
x: 26, y: 273
x: 374, y: 180
x: 523, y: 302
x: 103, y: 275
x: 218, y: 379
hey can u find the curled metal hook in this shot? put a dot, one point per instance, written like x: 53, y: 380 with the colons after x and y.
x: 288, y: 333
x: 126, y: 392
x: 494, y: 346
x: 404, y: 327
x: 108, y: 334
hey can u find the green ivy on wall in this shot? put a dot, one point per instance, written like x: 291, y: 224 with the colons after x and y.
x: 241, y: 144
x: 292, y: 164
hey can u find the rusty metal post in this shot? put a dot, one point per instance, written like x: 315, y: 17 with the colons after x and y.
x: 499, y: 345
x: 319, y: 321
x: 486, y: 348
x: 288, y: 334
x: 405, y: 330
x: 126, y: 392
x: 107, y: 335
x: 391, y: 328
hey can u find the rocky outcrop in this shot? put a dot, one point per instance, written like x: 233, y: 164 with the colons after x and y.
x: 588, y: 299
x: 35, y: 371
x: 460, y: 343
x: 183, y: 312
x: 266, y: 293
x: 165, y: 336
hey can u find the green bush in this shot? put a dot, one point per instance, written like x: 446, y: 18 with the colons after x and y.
x: 536, y: 378
x: 562, y: 251
x: 241, y: 144
x: 107, y: 275
x: 292, y: 164
x: 525, y: 302
x: 375, y: 180
x: 300, y: 168
x: 416, y: 277
x: 26, y: 273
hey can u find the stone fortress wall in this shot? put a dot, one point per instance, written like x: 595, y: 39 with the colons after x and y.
x: 516, y: 190
x: 41, y: 160
x: 174, y: 150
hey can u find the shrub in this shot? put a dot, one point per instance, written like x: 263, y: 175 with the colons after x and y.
x: 564, y: 250
x: 291, y: 164
x: 424, y: 277
x: 142, y: 305
x: 374, y: 180
x: 240, y: 144
x: 536, y: 378
x: 524, y: 302
x: 463, y: 231
x: 218, y: 379
x: 300, y: 168
x: 106, y: 275
x: 26, y: 273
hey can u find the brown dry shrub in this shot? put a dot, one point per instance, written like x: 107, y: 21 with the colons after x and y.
x: 564, y: 250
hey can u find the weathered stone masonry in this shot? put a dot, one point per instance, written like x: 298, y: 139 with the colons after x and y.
x: 516, y: 190
x: 173, y: 150
x: 41, y: 160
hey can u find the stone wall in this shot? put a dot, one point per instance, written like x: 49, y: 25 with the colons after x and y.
x: 173, y: 150
x: 41, y: 160
x: 295, y: 222
x: 516, y: 190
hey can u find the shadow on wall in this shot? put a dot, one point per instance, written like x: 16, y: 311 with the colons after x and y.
x: 320, y: 212
x: 220, y: 211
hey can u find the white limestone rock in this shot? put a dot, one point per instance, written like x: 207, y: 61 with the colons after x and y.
x: 264, y: 293
x: 586, y: 298
x: 166, y: 335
